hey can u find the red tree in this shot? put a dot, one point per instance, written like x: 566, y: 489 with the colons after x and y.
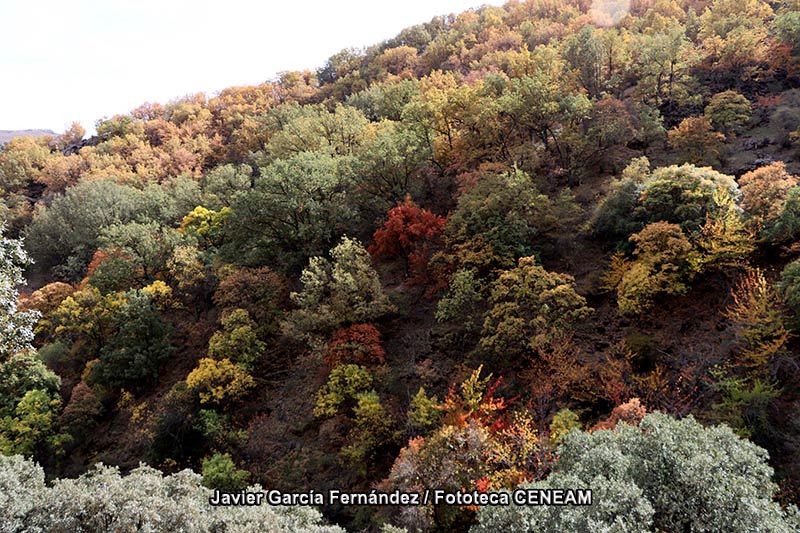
x: 409, y: 232
x: 359, y: 344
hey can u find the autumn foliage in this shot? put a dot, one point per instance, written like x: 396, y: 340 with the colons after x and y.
x: 358, y: 344
x: 411, y: 233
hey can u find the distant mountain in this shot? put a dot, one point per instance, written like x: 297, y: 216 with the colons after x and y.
x: 7, y: 135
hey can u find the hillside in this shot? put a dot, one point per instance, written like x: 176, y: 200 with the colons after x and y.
x: 425, y: 263
x: 7, y: 135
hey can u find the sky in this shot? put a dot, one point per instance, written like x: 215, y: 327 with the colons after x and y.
x: 81, y: 60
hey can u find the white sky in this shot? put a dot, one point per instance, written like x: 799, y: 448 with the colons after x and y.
x: 81, y: 60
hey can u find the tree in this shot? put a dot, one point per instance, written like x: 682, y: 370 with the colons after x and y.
x: 219, y: 382
x: 480, y: 446
x: 764, y: 194
x: 664, y: 68
x: 615, y: 216
x: 32, y: 426
x: 67, y: 232
x: 757, y: 322
x: 16, y: 327
x: 683, y: 195
x: 508, y: 213
x: 29, y: 392
x: 237, y: 341
x: 346, y: 382
x: 723, y: 241
x: 409, y: 232
x: 789, y: 289
x: 315, y: 128
x: 112, y: 270
x: 663, y: 262
x: 345, y: 290
x: 132, y: 354
x: 148, y: 245
x: 357, y: 344
x: 728, y: 111
x: 260, y: 291
x: 463, y: 300
x: 373, y: 428
x: 529, y: 307
x: 654, y: 477
x: 205, y: 225
x: 696, y: 142
x: 298, y: 208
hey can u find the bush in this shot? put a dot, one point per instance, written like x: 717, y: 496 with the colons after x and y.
x: 144, y: 500
x: 220, y: 473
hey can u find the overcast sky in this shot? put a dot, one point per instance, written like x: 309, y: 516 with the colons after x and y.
x: 80, y: 60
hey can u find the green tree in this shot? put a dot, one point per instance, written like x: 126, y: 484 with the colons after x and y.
x: 789, y: 289
x: 132, y: 354
x: 32, y: 426
x: 16, y: 327
x: 728, y: 111
x: 343, y: 290
x: 237, y: 341
x: 683, y: 195
x: 663, y: 261
x: 530, y: 307
x: 345, y: 382
x: 103, y: 500
x: 509, y: 214
x: 66, y: 233
x: 298, y: 208
x: 149, y: 245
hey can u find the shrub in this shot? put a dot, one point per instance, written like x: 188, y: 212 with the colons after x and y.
x: 145, y: 499
x: 219, y: 472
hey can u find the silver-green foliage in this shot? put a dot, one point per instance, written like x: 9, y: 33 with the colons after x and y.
x: 665, y: 475
x: 145, y: 500
x: 344, y: 290
x: 16, y: 327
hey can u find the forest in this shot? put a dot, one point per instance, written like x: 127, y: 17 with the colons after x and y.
x: 553, y: 244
